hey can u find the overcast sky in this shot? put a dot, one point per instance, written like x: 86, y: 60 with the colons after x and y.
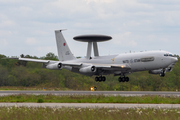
x: 27, y: 26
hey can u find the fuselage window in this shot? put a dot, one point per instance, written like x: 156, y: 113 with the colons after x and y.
x: 165, y: 54
x: 148, y: 59
x: 135, y: 60
x: 138, y: 60
x: 124, y: 61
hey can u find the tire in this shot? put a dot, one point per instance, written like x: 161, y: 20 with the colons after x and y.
x: 127, y: 79
x: 162, y: 75
x: 120, y: 79
x: 96, y: 79
x: 103, y: 79
x: 100, y: 79
x: 123, y: 79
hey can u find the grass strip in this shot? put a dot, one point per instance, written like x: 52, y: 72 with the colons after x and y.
x: 46, y: 113
x: 90, y: 99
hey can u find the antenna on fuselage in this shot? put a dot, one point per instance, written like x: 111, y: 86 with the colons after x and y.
x: 92, y: 40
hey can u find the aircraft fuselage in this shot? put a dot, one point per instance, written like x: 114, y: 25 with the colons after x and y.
x: 139, y: 61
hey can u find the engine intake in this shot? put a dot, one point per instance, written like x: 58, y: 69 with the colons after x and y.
x: 169, y: 69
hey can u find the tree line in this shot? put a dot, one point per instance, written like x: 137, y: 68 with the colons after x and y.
x: 31, y: 74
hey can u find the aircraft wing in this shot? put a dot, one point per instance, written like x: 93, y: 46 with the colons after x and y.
x: 32, y: 60
x: 101, y: 66
x: 46, y: 61
x: 116, y: 67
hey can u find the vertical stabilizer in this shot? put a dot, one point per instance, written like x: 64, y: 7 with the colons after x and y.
x: 64, y: 53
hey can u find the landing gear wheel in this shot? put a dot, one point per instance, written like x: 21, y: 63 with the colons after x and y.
x: 127, y: 79
x: 96, y: 79
x: 123, y: 79
x: 99, y: 79
x: 162, y: 75
x: 120, y: 79
x: 103, y: 79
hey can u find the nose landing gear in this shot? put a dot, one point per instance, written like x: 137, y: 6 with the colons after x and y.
x: 163, y: 73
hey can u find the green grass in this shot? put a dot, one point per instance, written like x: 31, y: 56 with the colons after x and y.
x: 90, y: 99
x: 4, y: 88
x: 46, y: 113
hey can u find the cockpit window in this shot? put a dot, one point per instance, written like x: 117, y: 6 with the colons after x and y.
x: 171, y: 55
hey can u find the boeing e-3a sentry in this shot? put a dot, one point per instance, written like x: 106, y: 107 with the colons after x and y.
x: 156, y: 62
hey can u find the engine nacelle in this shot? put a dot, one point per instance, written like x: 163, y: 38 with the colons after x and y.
x: 156, y: 71
x: 89, y: 69
x: 169, y: 69
x: 55, y: 66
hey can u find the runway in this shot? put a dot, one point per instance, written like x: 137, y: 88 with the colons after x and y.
x: 90, y: 105
x: 106, y: 93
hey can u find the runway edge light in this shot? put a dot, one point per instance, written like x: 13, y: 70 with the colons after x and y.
x: 93, y: 88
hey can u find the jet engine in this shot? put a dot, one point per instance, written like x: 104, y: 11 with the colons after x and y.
x: 55, y: 66
x: 169, y: 69
x: 156, y: 71
x: 89, y: 69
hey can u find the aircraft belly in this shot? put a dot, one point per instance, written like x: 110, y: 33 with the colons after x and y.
x: 76, y: 70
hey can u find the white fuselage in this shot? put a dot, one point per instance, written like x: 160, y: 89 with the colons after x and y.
x: 139, y: 61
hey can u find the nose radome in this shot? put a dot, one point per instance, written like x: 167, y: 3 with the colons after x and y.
x: 174, y: 59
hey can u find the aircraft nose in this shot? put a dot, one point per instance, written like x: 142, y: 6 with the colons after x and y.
x: 174, y: 59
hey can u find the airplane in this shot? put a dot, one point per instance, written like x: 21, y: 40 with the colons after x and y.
x: 156, y: 62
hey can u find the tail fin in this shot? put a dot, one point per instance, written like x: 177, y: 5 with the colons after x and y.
x: 64, y: 53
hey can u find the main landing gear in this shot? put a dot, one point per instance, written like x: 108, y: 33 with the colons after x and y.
x: 162, y: 74
x: 123, y: 79
x: 99, y: 79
